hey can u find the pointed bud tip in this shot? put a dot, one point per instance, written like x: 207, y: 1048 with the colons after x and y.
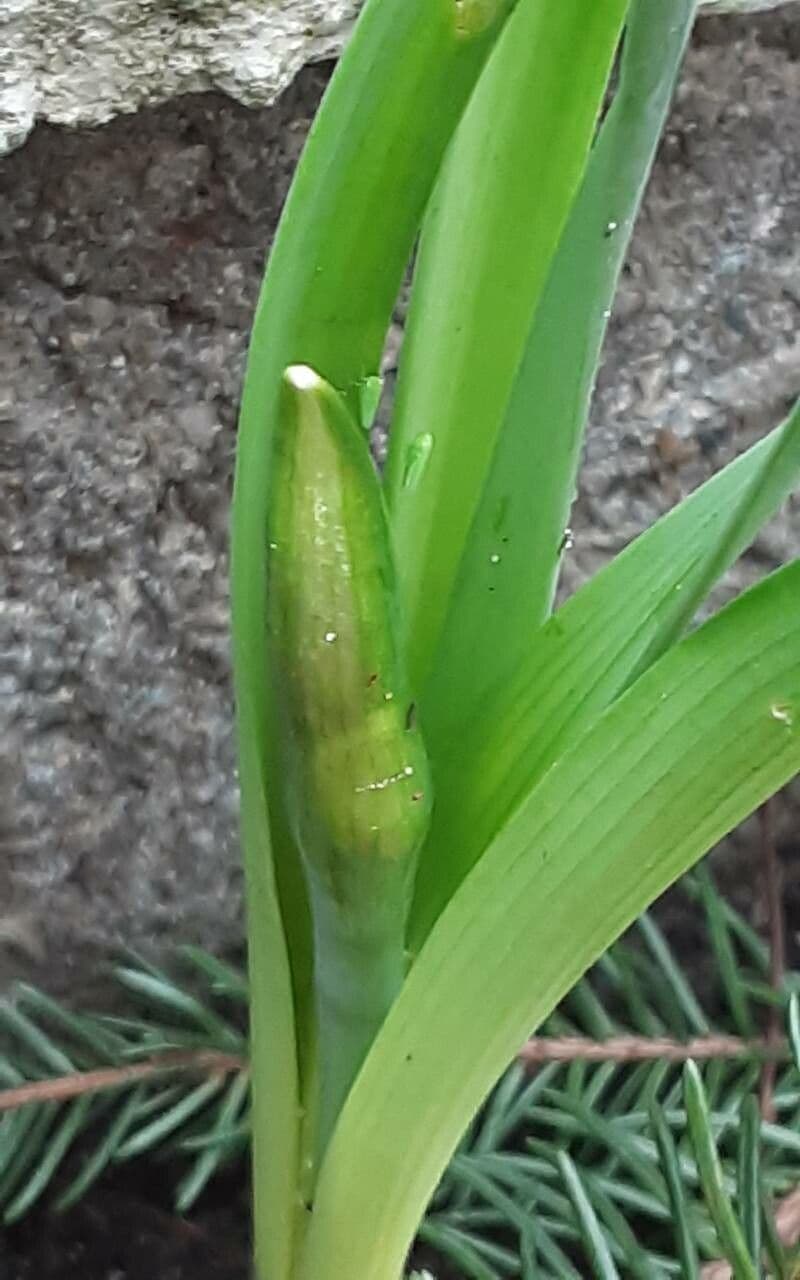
x: 302, y: 377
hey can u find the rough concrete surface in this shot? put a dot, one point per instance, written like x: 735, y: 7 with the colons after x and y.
x: 130, y: 257
x: 83, y: 61
x: 80, y: 62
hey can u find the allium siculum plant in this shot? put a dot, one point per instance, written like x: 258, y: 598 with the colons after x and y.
x: 453, y: 798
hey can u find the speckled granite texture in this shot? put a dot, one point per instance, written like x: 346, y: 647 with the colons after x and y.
x: 79, y: 62
x: 129, y: 262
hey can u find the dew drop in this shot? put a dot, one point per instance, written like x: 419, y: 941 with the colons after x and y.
x: 567, y: 540
x: 494, y: 558
x: 782, y: 713
x: 417, y: 457
x: 607, y: 313
x: 387, y: 697
x: 273, y: 546
x: 611, y: 227
x: 330, y: 636
x: 408, y: 770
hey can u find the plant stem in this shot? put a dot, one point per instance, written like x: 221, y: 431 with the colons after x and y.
x: 359, y: 971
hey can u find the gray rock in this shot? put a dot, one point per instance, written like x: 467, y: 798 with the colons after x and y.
x: 85, y: 61
x: 130, y: 258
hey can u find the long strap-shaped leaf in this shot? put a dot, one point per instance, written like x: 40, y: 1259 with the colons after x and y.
x: 495, y: 219
x: 506, y: 578
x: 610, y: 630
x: 345, y: 237
x: 695, y: 745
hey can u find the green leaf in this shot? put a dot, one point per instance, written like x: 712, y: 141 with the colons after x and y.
x: 748, y: 1185
x: 727, y: 965
x: 594, y: 1240
x: 583, y: 658
x: 57, y: 1146
x: 495, y: 219
x: 617, y: 963
x: 460, y: 1247
x: 29, y: 1138
x: 752, y: 944
x: 223, y: 980
x: 96, y: 1164
x: 774, y: 1248
x: 729, y: 1230
x: 639, y: 1265
x: 574, y: 1115
x: 684, y: 1230
x: 160, y: 990
x: 82, y: 1030
x: 165, y: 1124
x: 793, y: 1024
x: 209, y: 1160
x: 345, y: 237
x: 512, y: 1212
x: 18, y: 1024
x: 506, y: 577
x: 552, y: 1254
x: 698, y: 742
x: 673, y: 975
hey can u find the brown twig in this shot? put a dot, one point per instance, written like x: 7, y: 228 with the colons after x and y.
x: 62, y: 1088
x: 535, y: 1053
x: 648, y: 1048
x: 773, y: 898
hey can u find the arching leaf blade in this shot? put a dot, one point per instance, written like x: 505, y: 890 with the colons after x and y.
x: 587, y: 653
x: 494, y: 222
x: 507, y: 573
x: 698, y: 742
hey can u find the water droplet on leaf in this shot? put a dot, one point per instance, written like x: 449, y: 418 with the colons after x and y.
x: 784, y: 714
x: 330, y: 636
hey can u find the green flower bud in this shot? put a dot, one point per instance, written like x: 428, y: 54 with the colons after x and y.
x: 357, y: 781
x: 358, y: 792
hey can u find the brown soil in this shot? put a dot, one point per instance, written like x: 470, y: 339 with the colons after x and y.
x: 124, y: 1230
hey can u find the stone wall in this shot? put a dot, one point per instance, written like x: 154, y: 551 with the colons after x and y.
x: 79, y: 62
x: 130, y: 256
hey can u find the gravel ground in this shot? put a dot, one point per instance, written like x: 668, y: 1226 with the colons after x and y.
x: 129, y: 262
